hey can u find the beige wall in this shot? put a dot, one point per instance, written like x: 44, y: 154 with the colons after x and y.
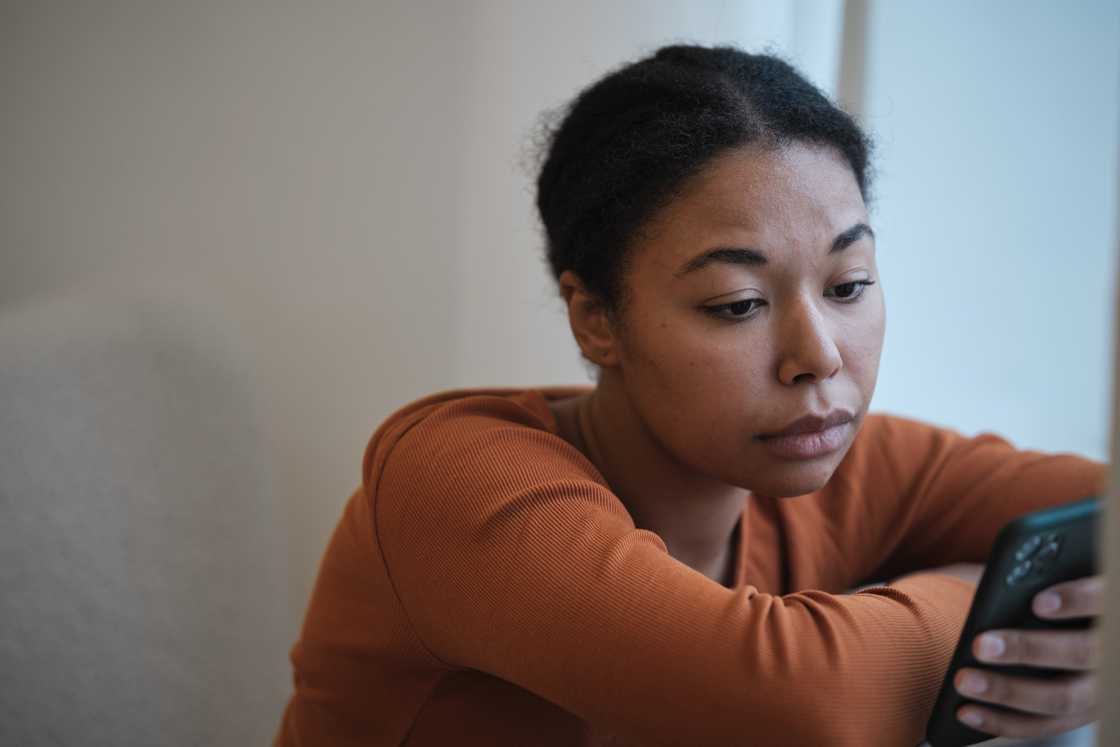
x: 349, y: 181
x: 291, y: 165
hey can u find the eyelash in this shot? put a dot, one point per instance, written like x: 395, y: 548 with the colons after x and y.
x: 714, y: 310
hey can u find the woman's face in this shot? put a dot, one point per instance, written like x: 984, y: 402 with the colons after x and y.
x: 775, y: 326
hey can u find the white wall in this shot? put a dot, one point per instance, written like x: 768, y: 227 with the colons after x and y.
x: 997, y: 125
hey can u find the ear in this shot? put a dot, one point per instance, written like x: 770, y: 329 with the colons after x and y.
x: 590, y: 323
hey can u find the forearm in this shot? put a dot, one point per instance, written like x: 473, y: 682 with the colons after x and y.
x: 970, y: 572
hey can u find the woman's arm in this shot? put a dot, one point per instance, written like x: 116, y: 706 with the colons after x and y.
x: 951, y: 494
x: 510, y: 558
x: 970, y: 572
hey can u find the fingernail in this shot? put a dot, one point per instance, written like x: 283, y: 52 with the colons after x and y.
x: 974, y: 683
x: 991, y: 646
x: 972, y: 718
x: 1047, y: 602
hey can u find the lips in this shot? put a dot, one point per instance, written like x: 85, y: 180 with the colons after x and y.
x: 813, y: 445
x: 811, y: 424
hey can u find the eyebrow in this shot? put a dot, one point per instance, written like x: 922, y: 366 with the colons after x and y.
x: 753, y: 257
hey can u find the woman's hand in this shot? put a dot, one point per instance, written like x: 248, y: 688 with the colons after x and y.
x: 1045, y: 707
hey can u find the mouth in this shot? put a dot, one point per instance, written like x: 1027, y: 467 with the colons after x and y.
x: 811, y: 423
x: 810, y: 437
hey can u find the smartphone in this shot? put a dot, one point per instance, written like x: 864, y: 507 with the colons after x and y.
x: 1031, y: 553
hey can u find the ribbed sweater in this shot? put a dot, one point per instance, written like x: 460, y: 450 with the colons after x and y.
x: 485, y: 586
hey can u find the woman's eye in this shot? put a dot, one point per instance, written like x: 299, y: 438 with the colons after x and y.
x: 734, y: 310
x: 740, y: 310
x: 851, y: 291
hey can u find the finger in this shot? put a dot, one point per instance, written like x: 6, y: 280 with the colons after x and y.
x: 1057, y: 649
x: 1021, y: 725
x: 1062, y: 696
x: 1083, y: 597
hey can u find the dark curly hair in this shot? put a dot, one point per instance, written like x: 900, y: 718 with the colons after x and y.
x: 628, y: 142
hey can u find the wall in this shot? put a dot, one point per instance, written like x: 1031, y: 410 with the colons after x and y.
x: 523, y: 62
x: 997, y: 125
x: 349, y: 183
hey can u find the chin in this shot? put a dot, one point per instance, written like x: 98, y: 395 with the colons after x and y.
x: 796, y: 478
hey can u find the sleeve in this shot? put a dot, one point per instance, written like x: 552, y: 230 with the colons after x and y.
x: 510, y: 558
x: 955, y: 493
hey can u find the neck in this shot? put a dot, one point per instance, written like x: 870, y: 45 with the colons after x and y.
x: 693, y: 513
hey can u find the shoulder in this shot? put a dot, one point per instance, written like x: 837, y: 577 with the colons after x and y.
x: 899, y: 435
x: 472, y: 442
x: 900, y: 451
x: 446, y: 421
x: 886, y: 425
x: 890, y: 450
x: 472, y: 474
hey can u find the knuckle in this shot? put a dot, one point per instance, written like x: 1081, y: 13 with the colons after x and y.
x: 1086, y: 597
x: 1083, y: 655
x: 1070, y: 697
x: 1059, y: 702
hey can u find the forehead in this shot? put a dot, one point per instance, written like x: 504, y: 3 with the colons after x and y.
x: 777, y: 199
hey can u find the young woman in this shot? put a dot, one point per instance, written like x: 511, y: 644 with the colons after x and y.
x: 663, y: 558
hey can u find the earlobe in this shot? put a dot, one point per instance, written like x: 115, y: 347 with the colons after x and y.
x: 596, y: 337
x: 588, y: 319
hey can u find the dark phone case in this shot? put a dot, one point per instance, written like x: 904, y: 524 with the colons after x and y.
x: 1031, y: 553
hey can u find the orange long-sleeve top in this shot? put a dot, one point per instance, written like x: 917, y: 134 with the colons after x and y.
x: 484, y: 585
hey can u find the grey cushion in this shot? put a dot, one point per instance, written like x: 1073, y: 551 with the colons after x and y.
x: 142, y: 560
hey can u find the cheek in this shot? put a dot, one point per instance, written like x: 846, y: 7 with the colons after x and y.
x: 703, y: 397
x: 701, y: 356
x: 700, y: 383
x: 863, y: 344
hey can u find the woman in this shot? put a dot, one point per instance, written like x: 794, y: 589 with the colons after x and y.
x: 662, y: 558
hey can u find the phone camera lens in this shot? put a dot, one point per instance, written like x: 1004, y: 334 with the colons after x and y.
x: 1049, y: 551
x: 1028, y: 548
x: 1019, y: 572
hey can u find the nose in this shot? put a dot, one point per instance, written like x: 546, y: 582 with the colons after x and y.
x: 807, y: 350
